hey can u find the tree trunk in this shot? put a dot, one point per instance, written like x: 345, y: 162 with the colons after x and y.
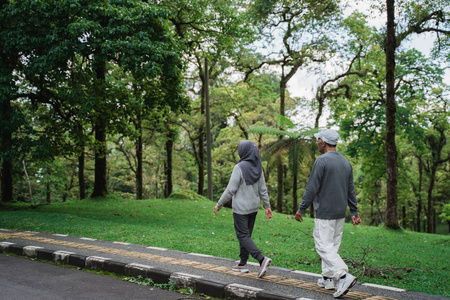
x: 100, y: 183
x: 157, y: 181
x: 434, y: 220
x: 294, y: 195
x: 280, y: 174
x: 169, y: 166
x: 49, y: 192
x: 404, y: 217
x: 280, y: 187
x: 30, y: 192
x: 68, y: 187
x: 139, y: 177
x: 6, y: 147
x: 391, y: 148
x: 201, y: 163
x: 419, y: 201
x: 7, y: 179
x: 436, y: 144
x: 81, y: 181
x: 431, y: 224
x: 201, y: 140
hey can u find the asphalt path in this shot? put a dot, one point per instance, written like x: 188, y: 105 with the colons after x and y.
x: 23, y: 278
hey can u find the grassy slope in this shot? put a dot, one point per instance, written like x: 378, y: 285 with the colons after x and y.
x: 191, y: 226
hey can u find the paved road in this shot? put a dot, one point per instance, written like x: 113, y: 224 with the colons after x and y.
x: 206, y: 274
x: 22, y: 278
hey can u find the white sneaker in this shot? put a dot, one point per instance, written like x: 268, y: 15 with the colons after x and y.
x: 263, y: 268
x: 239, y: 268
x: 344, y: 285
x: 328, y: 284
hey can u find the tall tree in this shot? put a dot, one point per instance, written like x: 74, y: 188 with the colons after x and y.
x: 432, y: 150
x: 133, y: 35
x: 234, y: 109
x: 142, y: 105
x: 297, y: 21
x: 391, y: 148
x: 212, y: 30
x: 357, y: 102
x: 437, y: 140
x: 29, y: 48
x: 421, y: 16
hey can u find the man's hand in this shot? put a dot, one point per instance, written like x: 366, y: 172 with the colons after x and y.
x: 356, y: 220
x: 299, y: 216
x: 217, y: 208
x: 269, y: 213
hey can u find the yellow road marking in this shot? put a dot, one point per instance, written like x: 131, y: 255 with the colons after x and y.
x: 193, y: 264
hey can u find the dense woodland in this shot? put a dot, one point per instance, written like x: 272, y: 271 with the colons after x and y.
x: 107, y: 97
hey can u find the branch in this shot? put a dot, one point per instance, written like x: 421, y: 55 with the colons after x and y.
x: 321, y: 95
x: 122, y: 149
x: 305, y: 233
x: 417, y: 27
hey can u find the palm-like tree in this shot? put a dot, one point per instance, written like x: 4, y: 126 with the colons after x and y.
x: 297, y: 144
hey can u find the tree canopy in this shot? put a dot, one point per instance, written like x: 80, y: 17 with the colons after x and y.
x: 101, y: 97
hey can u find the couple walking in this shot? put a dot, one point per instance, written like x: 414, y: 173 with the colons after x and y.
x: 330, y: 187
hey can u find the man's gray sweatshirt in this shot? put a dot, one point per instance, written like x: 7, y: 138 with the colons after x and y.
x: 246, y: 198
x: 330, y: 187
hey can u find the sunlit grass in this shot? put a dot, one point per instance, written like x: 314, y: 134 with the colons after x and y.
x: 414, y: 261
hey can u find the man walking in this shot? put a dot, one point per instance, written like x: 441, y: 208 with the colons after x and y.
x: 330, y: 187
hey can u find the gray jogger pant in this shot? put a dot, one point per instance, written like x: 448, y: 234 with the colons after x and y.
x: 243, y: 225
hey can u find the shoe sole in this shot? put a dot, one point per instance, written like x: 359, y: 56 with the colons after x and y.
x: 265, y: 270
x: 322, y: 285
x: 349, y: 287
x: 327, y: 288
x: 242, y: 271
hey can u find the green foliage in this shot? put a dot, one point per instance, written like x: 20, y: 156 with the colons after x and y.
x: 149, y: 282
x: 186, y: 195
x: 294, y: 142
x: 140, y: 280
x: 132, y: 35
x: 52, y: 94
x: 86, y: 62
x: 287, y: 242
x: 445, y: 216
x: 262, y: 8
x: 357, y: 103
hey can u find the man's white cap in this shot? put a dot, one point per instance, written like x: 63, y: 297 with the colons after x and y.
x: 329, y: 136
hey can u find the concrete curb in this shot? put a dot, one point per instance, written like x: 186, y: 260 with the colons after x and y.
x: 210, y: 288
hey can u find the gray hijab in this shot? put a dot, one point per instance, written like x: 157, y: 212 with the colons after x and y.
x: 250, y: 162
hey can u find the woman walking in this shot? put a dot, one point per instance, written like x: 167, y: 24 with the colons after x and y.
x: 247, y: 187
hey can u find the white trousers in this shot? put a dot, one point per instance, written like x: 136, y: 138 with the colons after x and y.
x: 327, y: 238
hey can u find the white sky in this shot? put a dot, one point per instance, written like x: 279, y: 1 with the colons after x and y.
x: 304, y: 83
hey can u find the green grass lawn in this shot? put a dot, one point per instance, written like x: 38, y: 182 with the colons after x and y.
x: 409, y: 260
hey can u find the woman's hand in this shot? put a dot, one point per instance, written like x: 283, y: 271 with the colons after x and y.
x: 217, y: 208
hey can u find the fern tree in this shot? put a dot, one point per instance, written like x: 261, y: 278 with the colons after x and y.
x: 296, y: 145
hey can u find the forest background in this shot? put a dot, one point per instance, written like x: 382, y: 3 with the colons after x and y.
x: 108, y: 97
